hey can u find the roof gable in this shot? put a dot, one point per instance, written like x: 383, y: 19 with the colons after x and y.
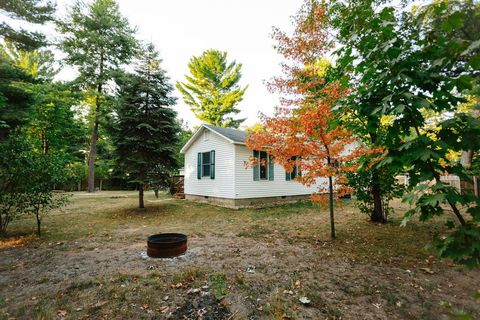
x: 234, y: 136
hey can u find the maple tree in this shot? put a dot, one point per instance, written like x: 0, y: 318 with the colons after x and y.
x: 304, y: 134
x: 402, y: 65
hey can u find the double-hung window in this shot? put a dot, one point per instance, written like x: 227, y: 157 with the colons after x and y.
x: 264, y: 167
x: 296, y: 172
x: 206, y: 164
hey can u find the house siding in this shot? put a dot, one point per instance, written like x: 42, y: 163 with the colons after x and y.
x: 223, y: 184
x: 246, y: 187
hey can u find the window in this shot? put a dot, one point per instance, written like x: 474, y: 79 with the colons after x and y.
x: 206, y: 164
x: 263, y: 165
x: 264, y: 168
x: 296, y: 172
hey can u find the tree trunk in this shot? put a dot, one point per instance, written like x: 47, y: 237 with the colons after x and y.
x: 93, y: 141
x: 79, y: 185
x: 332, y: 217
x: 467, y: 155
x: 91, y: 156
x: 37, y: 215
x: 467, y: 159
x: 141, y: 205
x: 45, y: 143
x: 378, y: 214
x: 101, y: 185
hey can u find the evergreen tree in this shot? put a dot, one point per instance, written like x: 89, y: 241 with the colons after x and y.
x: 30, y: 11
x: 15, y: 99
x: 212, y: 89
x: 98, y: 41
x: 146, y: 127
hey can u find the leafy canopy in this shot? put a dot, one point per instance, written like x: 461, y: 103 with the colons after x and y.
x: 97, y: 40
x: 400, y: 65
x: 212, y: 90
x: 305, y: 133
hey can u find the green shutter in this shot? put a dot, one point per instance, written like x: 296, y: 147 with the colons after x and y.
x: 288, y: 176
x: 270, y: 168
x: 256, y: 168
x: 199, y: 165
x: 212, y: 164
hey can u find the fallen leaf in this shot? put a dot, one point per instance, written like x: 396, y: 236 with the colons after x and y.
x: 251, y: 269
x: 304, y: 300
x: 164, y: 309
x: 62, y: 313
x: 427, y: 270
x: 288, y: 291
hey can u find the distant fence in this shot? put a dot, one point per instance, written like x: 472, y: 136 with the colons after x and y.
x: 463, y: 186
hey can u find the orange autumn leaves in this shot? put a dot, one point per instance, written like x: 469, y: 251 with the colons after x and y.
x: 305, y: 132
x: 305, y: 137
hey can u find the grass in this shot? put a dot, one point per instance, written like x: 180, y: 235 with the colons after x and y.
x: 87, y: 264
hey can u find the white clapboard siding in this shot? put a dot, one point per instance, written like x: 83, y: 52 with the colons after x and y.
x: 246, y: 187
x: 223, y: 184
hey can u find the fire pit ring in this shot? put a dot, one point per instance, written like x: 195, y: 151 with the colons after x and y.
x: 166, y: 245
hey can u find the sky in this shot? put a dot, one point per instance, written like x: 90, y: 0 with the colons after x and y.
x: 182, y: 28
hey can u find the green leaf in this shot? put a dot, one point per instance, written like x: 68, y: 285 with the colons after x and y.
x: 475, y: 61
x: 454, y: 21
x: 464, y: 82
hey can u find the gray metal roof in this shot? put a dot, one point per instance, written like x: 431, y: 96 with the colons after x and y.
x: 233, y: 134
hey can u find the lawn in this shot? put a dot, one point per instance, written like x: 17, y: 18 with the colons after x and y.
x: 241, y: 264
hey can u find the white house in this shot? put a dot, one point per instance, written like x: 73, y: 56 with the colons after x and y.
x: 215, y: 172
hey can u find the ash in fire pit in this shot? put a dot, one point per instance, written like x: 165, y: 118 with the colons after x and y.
x: 166, y: 245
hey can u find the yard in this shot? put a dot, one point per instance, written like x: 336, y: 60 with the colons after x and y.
x: 241, y: 264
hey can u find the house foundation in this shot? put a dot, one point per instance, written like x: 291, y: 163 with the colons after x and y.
x: 262, y: 202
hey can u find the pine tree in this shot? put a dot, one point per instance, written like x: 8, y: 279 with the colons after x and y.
x: 146, y: 127
x: 98, y: 41
x: 212, y: 89
x: 30, y: 11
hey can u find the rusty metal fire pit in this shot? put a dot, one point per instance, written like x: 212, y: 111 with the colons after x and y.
x: 166, y: 245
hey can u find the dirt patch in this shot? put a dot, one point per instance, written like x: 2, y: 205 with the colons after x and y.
x: 246, y: 264
x: 204, y: 307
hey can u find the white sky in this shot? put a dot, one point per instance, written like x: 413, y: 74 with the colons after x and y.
x: 182, y: 28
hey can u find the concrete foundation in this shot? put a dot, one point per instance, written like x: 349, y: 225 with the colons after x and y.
x: 246, y: 203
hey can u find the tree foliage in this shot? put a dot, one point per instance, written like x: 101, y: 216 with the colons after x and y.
x: 212, y: 90
x: 52, y: 124
x: 399, y: 63
x: 305, y: 133
x: 30, y: 11
x: 98, y: 40
x: 147, y: 131
x: 30, y: 192
x: 15, y: 99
